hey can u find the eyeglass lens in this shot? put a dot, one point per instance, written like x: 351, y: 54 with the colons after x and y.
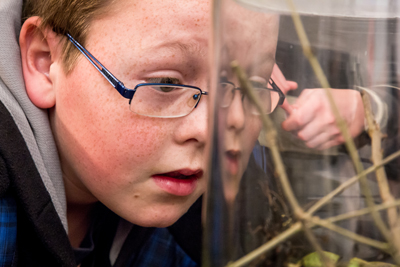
x: 268, y: 97
x: 164, y: 101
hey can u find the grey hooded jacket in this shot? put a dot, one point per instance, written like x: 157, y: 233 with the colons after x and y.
x: 29, y: 164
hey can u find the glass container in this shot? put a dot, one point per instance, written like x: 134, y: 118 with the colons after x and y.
x: 314, y: 181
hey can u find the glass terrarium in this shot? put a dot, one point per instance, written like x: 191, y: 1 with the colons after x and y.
x: 304, y: 167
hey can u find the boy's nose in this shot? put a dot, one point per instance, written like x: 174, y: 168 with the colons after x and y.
x: 194, y: 126
x: 236, y: 118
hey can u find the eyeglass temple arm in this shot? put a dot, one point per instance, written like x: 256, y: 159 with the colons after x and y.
x: 117, y: 84
x: 277, y: 89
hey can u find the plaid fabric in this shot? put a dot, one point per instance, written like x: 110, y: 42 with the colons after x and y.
x: 8, y: 230
x: 161, y: 250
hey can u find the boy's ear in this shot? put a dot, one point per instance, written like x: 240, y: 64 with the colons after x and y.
x: 37, y: 48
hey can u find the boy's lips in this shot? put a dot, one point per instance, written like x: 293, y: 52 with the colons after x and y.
x: 233, y: 158
x: 180, y: 183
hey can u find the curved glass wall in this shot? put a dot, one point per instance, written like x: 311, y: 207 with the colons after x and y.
x: 299, y: 183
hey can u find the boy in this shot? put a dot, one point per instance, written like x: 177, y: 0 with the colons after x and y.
x: 143, y: 158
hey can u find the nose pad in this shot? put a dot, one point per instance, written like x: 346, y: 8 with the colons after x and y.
x: 197, y: 98
x: 194, y: 98
x: 194, y: 126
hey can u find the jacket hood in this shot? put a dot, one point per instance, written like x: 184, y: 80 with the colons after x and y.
x: 32, y: 122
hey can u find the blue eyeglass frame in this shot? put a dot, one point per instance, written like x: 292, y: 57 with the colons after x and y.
x: 117, y: 84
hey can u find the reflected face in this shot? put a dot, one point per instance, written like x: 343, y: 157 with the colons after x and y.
x: 147, y: 170
x: 250, y: 38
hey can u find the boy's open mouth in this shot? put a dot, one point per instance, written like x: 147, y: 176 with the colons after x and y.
x: 183, y: 174
x: 233, y: 158
x: 233, y: 154
x: 180, y: 183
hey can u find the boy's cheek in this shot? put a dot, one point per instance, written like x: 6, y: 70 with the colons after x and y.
x: 105, y: 125
x: 106, y: 147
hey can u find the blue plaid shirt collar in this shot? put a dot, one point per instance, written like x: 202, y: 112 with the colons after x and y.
x: 8, y: 230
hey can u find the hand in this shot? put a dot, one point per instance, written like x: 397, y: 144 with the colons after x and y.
x: 312, y: 120
x: 281, y: 81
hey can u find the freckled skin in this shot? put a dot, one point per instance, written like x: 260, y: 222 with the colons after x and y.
x: 109, y: 153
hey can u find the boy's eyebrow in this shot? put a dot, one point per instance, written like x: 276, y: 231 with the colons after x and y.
x: 264, y: 60
x: 267, y: 58
x: 188, y: 48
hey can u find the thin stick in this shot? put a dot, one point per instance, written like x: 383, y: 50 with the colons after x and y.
x: 358, y: 213
x: 294, y: 229
x: 271, y: 136
x: 376, y: 140
x: 350, y: 182
x: 349, y: 142
x: 315, y: 221
x: 387, y: 198
x: 346, y: 233
x: 314, y: 242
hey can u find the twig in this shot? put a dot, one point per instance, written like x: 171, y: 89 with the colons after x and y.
x: 344, y: 232
x: 314, y: 243
x: 315, y: 221
x: 350, y: 182
x: 376, y: 138
x: 357, y: 213
x: 294, y: 229
x: 271, y: 136
x: 387, y: 198
x: 349, y: 142
x: 361, y: 174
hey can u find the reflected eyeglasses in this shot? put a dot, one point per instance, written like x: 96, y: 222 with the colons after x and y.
x: 269, y: 97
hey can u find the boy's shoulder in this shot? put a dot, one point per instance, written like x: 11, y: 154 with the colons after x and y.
x: 41, y: 238
x: 177, y: 245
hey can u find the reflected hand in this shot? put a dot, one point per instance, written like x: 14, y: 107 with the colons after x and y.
x: 312, y: 120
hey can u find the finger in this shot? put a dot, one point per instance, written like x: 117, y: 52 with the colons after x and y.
x: 318, y: 140
x: 330, y: 144
x: 316, y: 127
x: 281, y: 81
x: 323, y: 141
x: 287, y: 107
x: 311, y: 97
x: 299, y: 118
x: 292, y: 85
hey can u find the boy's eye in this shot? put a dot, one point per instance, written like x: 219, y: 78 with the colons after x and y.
x: 165, y: 89
x: 258, y: 82
x: 164, y: 80
x: 168, y: 80
x: 258, y: 85
x: 223, y: 79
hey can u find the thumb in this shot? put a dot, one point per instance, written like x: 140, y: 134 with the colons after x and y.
x: 280, y: 80
x: 287, y: 107
x: 291, y: 85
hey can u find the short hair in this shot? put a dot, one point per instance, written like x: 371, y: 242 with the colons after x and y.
x: 66, y: 16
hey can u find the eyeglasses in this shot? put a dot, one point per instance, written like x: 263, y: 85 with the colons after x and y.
x: 269, y: 97
x: 162, y: 100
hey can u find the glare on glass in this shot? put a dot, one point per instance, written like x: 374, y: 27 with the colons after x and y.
x: 162, y: 100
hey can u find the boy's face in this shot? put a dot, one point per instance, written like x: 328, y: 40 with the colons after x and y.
x: 130, y: 162
x: 249, y: 38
